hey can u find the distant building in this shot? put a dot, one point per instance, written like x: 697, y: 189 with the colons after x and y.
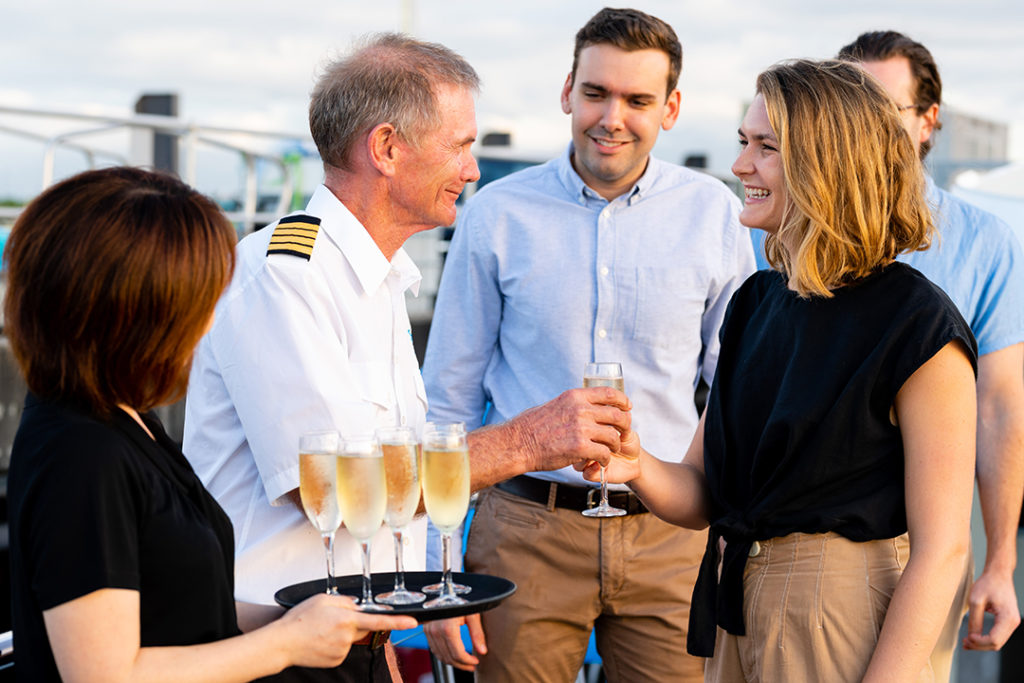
x: 966, y: 142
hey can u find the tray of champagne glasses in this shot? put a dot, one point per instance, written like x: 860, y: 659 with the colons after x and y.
x: 485, y: 592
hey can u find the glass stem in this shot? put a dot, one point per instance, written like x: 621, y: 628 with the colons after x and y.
x: 399, y: 563
x: 367, y: 592
x: 447, y: 589
x: 604, y: 489
x: 329, y: 548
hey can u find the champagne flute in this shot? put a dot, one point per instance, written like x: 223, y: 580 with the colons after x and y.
x: 401, y: 469
x: 362, y: 493
x: 318, y: 490
x: 603, y: 375
x: 447, y: 428
x: 445, y: 476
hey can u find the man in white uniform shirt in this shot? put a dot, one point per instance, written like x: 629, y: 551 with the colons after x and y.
x: 313, y: 332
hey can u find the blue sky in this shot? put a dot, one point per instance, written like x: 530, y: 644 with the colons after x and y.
x: 251, y: 64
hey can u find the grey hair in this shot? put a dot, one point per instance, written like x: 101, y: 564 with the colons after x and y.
x: 388, y: 78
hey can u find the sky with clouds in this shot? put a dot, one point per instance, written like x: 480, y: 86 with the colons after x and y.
x: 251, y: 64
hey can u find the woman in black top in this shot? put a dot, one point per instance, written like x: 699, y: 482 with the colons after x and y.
x: 842, y: 412
x: 122, y: 563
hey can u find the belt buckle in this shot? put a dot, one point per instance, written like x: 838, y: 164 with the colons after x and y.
x: 379, y: 638
x: 590, y: 496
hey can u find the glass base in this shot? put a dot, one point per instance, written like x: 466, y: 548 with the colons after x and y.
x: 371, y: 606
x: 445, y: 601
x: 435, y: 589
x: 401, y: 598
x: 603, y: 511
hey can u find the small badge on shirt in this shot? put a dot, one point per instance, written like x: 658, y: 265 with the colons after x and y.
x: 294, y: 235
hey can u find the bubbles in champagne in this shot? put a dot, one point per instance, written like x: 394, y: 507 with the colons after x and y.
x: 446, y: 486
x: 362, y: 493
x: 403, y: 484
x: 318, y: 490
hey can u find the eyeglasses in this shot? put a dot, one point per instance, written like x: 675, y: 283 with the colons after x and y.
x: 905, y: 107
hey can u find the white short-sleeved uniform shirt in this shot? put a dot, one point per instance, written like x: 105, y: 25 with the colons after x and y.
x: 313, y: 336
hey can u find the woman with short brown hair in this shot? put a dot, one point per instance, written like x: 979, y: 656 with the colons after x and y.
x: 122, y: 563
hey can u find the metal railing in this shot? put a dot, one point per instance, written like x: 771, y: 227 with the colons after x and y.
x: 191, y: 136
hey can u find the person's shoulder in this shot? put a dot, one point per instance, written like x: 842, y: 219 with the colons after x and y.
x: 957, y: 213
x: 909, y: 289
x: 80, y: 445
x: 759, y: 285
x: 289, y: 249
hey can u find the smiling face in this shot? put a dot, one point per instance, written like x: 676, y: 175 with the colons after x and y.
x: 759, y: 167
x: 618, y: 105
x: 435, y: 171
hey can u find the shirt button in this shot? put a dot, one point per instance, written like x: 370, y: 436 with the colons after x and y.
x: 604, y: 270
x: 602, y: 334
x: 755, y: 549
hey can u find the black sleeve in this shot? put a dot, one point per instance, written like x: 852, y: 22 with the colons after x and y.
x: 80, y: 516
x: 934, y: 323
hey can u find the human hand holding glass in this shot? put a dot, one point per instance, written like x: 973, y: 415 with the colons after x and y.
x: 362, y: 493
x: 318, y: 489
x: 603, y: 375
x: 401, y: 468
x: 445, y: 478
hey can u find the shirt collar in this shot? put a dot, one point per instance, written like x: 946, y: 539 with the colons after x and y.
x: 362, y: 253
x: 579, y: 190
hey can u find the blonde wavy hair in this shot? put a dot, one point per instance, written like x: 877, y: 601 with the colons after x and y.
x: 856, y: 187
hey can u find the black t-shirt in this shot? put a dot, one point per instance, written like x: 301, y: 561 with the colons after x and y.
x: 98, y: 504
x: 798, y: 436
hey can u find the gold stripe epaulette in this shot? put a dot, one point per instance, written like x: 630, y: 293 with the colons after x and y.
x: 294, y: 235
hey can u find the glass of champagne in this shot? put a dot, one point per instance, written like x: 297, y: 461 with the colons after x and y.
x: 401, y: 469
x: 445, y: 477
x: 362, y: 492
x: 603, y: 375
x: 447, y: 428
x: 318, y: 489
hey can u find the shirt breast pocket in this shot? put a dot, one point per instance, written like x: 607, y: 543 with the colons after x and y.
x: 373, y: 385
x: 669, y: 306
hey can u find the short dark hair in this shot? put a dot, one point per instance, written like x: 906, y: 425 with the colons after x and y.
x: 631, y: 29
x: 877, y: 46
x: 112, y: 276
x: 389, y: 78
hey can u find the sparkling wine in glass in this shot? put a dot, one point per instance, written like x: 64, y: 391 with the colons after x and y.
x: 362, y: 492
x: 445, y: 479
x: 318, y: 489
x: 603, y: 375
x: 401, y: 470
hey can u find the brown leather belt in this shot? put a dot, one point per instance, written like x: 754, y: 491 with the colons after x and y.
x: 375, y: 639
x: 577, y: 498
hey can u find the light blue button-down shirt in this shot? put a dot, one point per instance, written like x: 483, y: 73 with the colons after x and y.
x: 544, y: 275
x: 979, y: 263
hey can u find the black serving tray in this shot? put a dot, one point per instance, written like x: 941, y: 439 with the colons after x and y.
x: 486, y: 592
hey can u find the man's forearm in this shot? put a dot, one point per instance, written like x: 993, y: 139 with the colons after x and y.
x: 498, y: 452
x: 1000, y: 457
x: 1000, y: 475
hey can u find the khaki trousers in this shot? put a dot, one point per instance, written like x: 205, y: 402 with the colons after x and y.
x: 813, y: 606
x: 628, y: 578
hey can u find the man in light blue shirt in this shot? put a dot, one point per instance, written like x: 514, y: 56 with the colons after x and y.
x: 978, y: 261
x: 604, y: 254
